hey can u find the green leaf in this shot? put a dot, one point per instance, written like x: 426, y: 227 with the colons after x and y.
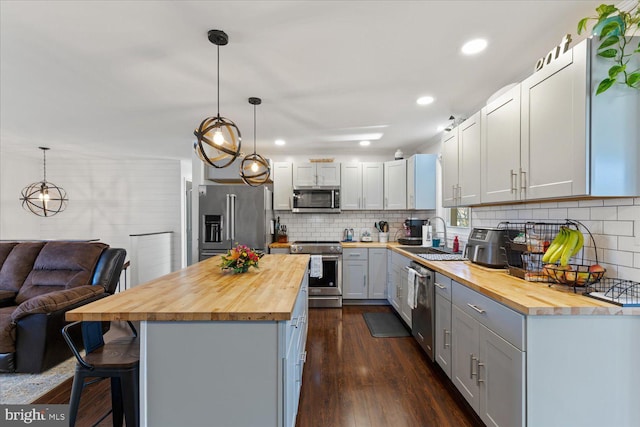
x: 604, y: 10
x: 615, y: 70
x: 609, y: 41
x: 604, y: 85
x: 610, y: 27
x: 582, y: 25
x: 633, y: 79
x: 609, y: 53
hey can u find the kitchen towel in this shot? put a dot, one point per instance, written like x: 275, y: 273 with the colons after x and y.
x: 412, y: 295
x: 316, y: 266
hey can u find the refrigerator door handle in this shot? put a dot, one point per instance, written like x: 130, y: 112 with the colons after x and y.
x: 233, y: 217
x: 227, y: 233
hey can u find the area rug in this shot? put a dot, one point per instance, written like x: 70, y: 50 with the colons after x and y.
x: 385, y: 325
x: 22, y: 389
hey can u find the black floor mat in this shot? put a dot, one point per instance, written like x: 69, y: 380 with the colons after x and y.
x: 385, y: 325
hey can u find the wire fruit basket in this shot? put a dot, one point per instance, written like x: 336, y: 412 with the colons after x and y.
x: 625, y: 293
x: 525, y: 254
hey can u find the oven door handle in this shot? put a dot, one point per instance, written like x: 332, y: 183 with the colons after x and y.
x: 422, y: 276
x: 330, y: 257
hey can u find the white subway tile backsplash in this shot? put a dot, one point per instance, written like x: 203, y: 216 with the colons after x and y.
x: 618, y: 202
x: 636, y: 260
x: 618, y: 228
x: 605, y: 242
x: 569, y: 204
x: 629, y: 213
x: 558, y: 213
x: 605, y: 213
x: 590, y: 203
x: 618, y: 257
x: 579, y: 213
x: 628, y: 244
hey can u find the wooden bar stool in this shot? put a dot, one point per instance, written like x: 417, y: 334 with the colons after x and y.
x: 118, y: 359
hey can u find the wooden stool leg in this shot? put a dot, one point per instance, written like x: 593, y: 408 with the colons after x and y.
x: 76, y: 392
x: 116, y: 401
x: 131, y: 396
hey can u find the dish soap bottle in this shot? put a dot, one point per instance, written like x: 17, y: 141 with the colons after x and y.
x: 456, y: 245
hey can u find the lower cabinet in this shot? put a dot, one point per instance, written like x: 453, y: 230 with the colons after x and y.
x: 397, y: 288
x: 364, y: 273
x: 488, y: 370
x: 443, y: 323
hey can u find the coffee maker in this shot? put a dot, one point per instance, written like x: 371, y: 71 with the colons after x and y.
x: 413, y: 231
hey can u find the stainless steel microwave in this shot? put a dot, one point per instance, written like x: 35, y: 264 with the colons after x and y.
x: 317, y: 200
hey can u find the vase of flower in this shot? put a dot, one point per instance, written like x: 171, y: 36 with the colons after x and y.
x: 240, y: 259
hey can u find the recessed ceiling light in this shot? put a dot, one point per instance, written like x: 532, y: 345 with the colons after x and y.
x: 280, y: 142
x: 425, y: 100
x: 365, y: 143
x: 474, y: 46
x: 440, y: 128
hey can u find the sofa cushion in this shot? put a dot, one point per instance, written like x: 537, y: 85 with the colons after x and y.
x: 7, y: 330
x: 61, y: 265
x: 7, y: 298
x: 54, y: 301
x: 18, y: 263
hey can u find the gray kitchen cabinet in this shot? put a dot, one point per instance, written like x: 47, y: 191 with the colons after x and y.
x: 377, y: 273
x: 355, y: 269
x: 364, y: 273
x: 316, y: 174
x: 351, y: 188
x: 282, y: 185
x: 398, y: 285
x: 443, y: 323
x: 500, y: 148
x: 488, y: 358
x: 461, y: 164
x: 362, y: 186
x: 395, y: 185
x: 421, y: 181
x: 373, y: 185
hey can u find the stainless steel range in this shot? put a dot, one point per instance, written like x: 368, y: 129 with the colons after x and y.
x: 325, y: 271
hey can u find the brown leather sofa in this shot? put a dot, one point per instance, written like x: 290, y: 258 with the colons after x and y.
x: 39, y: 283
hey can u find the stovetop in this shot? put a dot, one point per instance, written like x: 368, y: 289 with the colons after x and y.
x: 316, y: 242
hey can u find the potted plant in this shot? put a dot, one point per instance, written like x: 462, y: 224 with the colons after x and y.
x: 615, y: 29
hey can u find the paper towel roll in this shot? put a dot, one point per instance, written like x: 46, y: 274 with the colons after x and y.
x: 426, y: 235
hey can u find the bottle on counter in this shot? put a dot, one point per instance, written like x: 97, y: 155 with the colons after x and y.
x: 456, y: 245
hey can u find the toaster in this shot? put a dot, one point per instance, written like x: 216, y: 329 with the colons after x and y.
x: 486, y: 246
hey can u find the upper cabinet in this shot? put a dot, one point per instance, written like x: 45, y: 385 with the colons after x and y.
x: 282, y: 185
x: 316, y: 174
x: 461, y: 164
x: 500, y: 148
x: 362, y: 185
x: 554, y: 137
x: 395, y: 184
x: 421, y: 181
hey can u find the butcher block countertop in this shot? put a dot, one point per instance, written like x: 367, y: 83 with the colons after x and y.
x: 528, y: 298
x: 203, y: 292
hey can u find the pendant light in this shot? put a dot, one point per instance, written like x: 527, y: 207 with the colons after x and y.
x: 44, y: 198
x: 254, y: 169
x: 219, y: 138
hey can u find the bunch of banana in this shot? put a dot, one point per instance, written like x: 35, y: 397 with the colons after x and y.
x: 567, y: 243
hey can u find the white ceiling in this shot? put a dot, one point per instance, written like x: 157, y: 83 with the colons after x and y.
x: 137, y: 77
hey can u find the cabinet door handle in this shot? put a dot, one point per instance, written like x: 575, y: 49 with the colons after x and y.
x: 523, y: 181
x: 459, y: 195
x: 514, y: 176
x: 386, y: 202
x: 444, y: 340
x: 476, y: 308
x: 364, y: 203
x: 472, y: 358
x: 364, y: 282
x: 478, y: 380
x: 440, y: 286
x: 295, y: 321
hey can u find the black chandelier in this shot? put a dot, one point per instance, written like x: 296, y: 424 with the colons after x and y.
x: 254, y: 169
x: 219, y: 138
x: 44, y: 198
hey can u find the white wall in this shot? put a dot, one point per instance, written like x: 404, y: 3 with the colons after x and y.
x: 109, y: 197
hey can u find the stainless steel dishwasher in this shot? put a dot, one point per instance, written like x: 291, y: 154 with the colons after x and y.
x: 423, y: 316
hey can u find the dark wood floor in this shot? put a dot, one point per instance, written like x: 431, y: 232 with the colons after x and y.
x: 351, y: 379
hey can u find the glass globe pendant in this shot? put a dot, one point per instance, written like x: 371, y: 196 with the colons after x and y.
x: 44, y: 198
x: 219, y: 139
x: 254, y: 169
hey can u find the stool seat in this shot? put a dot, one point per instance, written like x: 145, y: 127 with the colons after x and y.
x: 118, y: 360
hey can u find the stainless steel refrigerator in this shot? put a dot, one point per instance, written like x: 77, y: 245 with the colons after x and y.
x: 232, y: 214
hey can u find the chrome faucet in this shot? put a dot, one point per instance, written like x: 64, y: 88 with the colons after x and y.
x: 444, y: 224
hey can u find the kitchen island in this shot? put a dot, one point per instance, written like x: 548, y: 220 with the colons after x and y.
x: 217, y: 348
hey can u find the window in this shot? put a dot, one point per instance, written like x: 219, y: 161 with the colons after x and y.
x: 459, y: 217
